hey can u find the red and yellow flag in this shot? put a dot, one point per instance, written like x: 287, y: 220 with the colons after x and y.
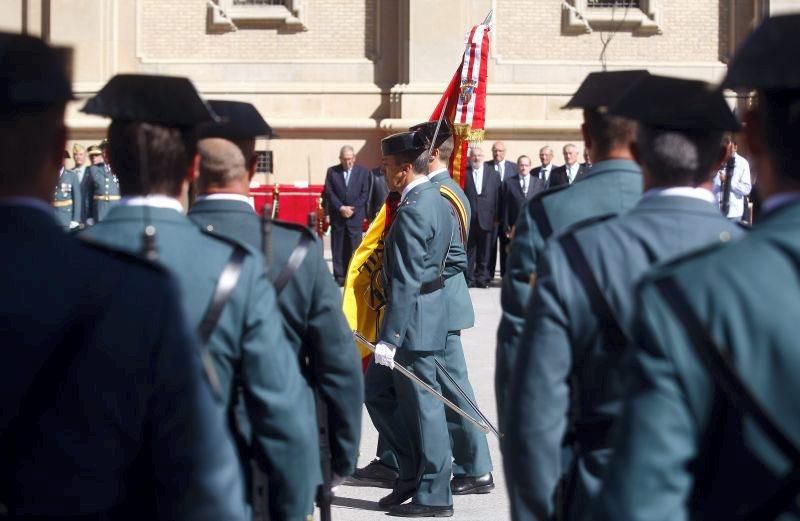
x: 464, y: 101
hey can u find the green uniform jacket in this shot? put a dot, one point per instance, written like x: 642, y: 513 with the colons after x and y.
x: 610, y: 187
x: 131, y: 413
x: 313, y: 321
x: 67, y: 199
x: 569, y: 374
x: 100, y: 189
x: 416, y: 248
x: 460, y: 314
x: 682, y: 452
x: 248, y: 342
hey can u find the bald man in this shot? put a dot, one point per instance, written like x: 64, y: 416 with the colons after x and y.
x: 346, y: 191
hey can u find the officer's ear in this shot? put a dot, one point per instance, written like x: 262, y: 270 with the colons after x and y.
x: 587, y: 139
x: 194, y: 169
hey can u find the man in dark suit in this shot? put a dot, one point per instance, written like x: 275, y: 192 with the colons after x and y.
x: 504, y: 170
x: 482, y: 187
x: 378, y: 190
x: 346, y: 190
x: 546, y: 159
x: 104, y: 412
x: 517, y: 190
x: 570, y: 171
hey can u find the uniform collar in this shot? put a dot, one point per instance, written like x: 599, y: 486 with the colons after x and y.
x: 225, y: 197
x: 413, y: 184
x: 437, y: 172
x: 27, y: 202
x: 153, y: 201
x: 681, y: 191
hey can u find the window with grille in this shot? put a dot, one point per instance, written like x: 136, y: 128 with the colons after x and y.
x: 264, y: 161
x: 641, y: 17
x: 228, y: 15
x: 260, y: 2
x: 613, y: 3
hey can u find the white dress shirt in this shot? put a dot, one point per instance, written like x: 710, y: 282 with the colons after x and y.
x: 153, y: 201
x: 477, y: 176
x: 226, y: 197
x: 411, y: 185
x: 544, y: 173
x: 740, y: 186
x: 682, y: 191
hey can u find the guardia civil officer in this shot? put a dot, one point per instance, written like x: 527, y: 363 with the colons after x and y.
x: 613, y: 186
x: 568, y: 381
x: 712, y: 427
x: 67, y: 198
x: 153, y: 149
x: 472, y: 464
x: 104, y: 412
x: 100, y: 188
x: 414, y: 328
x: 309, y: 299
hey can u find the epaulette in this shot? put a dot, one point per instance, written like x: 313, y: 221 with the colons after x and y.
x: 120, y: 255
x: 586, y: 223
x: 303, y: 230
x: 230, y: 241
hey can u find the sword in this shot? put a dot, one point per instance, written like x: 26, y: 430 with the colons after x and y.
x: 417, y: 380
x: 468, y: 399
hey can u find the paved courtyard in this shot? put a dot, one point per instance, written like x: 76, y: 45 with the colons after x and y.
x: 361, y: 503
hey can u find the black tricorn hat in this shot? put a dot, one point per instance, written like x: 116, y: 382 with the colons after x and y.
x: 402, y: 142
x: 429, y: 129
x: 602, y: 89
x: 170, y: 101
x: 32, y: 73
x: 237, y: 120
x: 769, y: 57
x: 676, y: 104
x: 94, y: 150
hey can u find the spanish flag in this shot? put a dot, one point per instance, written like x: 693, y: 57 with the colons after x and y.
x: 464, y: 105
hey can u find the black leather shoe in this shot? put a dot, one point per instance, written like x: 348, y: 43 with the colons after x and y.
x: 403, y: 491
x: 376, y: 474
x: 461, y: 485
x: 414, y: 510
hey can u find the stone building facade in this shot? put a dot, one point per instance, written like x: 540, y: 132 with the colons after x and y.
x: 325, y: 73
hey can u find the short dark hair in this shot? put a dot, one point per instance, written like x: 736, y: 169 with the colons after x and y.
x: 419, y: 160
x: 168, y: 153
x: 607, y: 132
x: 28, y: 133
x: 779, y: 111
x: 676, y: 158
x: 446, y: 150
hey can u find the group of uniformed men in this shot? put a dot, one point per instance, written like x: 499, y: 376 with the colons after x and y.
x: 85, y: 193
x: 639, y: 374
x: 189, y: 367
x: 647, y: 358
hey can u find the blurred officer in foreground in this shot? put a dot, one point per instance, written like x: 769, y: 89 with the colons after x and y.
x: 568, y: 383
x: 613, y: 186
x: 100, y: 187
x: 712, y: 428
x: 415, y: 329
x: 154, y: 151
x: 308, y: 297
x: 67, y: 197
x: 105, y: 413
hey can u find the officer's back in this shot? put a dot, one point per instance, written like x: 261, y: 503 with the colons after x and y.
x: 253, y: 362
x: 309, y: 300
x: 103, y: 409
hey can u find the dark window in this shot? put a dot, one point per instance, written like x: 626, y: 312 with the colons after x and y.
x: 259, y: 2
x: 264, y: 161
x: 613, y: 3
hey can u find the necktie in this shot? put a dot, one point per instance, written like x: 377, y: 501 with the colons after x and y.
x: 525, y: 185
x: 500, y: 170
x: 346, y: 177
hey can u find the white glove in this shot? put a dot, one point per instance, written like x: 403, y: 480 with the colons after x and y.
x: 384, y: 354
x: 336, y: 480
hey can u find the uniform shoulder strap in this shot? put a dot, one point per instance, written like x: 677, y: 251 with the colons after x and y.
x: 458, y: 206
x: 727, y: 380
x: 296, y: 258
x: 615, y: 336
